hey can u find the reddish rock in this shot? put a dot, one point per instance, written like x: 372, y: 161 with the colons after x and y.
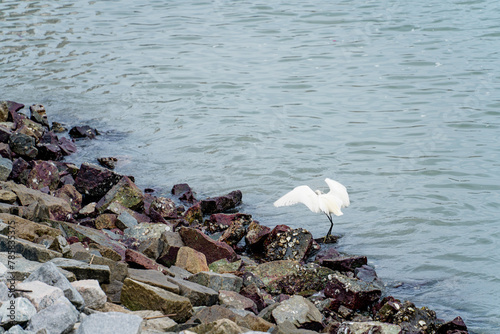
x: 184, y: 192
x: 5, y: 134
x: 165, y: 207
x: 220, y: 221
x: 69, y: 193
x: 83, y: 132
x: 94, y: 182
x: 140, y: 261
x: 14, y: 106
x: 105, y: 221
x: 124, y: 192
x: 256, y: 235
x: 340, y: 262
x: 221, y: 203
x: 352, y: 293
x: 49, y: 152
x: 213, y: 250
x: 43, y: 174
x: 67, y: 146
x: 254, y: 293
x: 456, y: 326
x: 20, y: 170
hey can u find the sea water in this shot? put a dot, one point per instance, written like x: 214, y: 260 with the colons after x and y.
x: 397, y: 100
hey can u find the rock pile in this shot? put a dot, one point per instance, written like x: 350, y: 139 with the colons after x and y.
x: 84, y: 250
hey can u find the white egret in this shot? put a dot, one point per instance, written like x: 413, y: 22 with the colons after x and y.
x: 317, y: 201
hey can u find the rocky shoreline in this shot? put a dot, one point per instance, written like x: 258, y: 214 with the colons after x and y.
x: 84, y: 250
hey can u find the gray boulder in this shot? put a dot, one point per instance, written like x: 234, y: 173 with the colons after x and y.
x: 297, y: 310
x: 110, y: 323
x: 49, y: 274
x: 16, y: 311
x: 217, y: 281
x: 58, y: 318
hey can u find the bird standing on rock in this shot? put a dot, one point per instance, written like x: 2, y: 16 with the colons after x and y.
x: 331, y: 202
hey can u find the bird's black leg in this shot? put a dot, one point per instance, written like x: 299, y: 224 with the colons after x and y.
x: 331, y: 226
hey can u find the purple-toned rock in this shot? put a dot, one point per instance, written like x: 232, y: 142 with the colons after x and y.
x: 256, y: 235
x: 94, y: 181
x: 69, y: 193
x: 23, y: 145
x: 342, y: 262
x: 20, y: 170
x: 221, y: 203
x: 5, y: 151
x: 67, y: 146
x: 49, y: 152
x: 213, y: 250
x: 5, y: 134
x: 13, y: 106
x: 220, y: 221
x: 235, y: 232
x: 352, y: 293
x: 38, y: 114
x: 257, y: 295
x: 83, y: 132
x: 140, y: 261
x: 456, y: 326
x: 287, y: 244
x: 184, y: 192
x: 124, y: 192
x: 43, y: 174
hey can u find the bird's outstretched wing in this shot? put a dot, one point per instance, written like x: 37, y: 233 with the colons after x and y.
x: 301, y: 194
x: 338, y: 190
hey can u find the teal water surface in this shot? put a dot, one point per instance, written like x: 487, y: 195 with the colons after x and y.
x: 398, y: 100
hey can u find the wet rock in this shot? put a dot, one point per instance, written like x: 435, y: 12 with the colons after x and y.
x: 298, y: 311
x: 49, y: 151
x: 84, y: 271
x: 5, y: 168
x: 106, y: 220
x: 124, y: 192
x: 94, y: 181
x: 41, y: 295
x: 59, y: 209
x: 256, y: 235
x: 140, y: 261
x: 221, y: 203
x: 58, y: 127
x: 165, y: 207
x: 232, y: 299
x: 191, y: 260
x: 91, y: 292
x: 23, y: 145
x: 84, y: 131
x: 342, y: 262
x: 27, y: 249
x: 69, y: 193
x: 456, y: 326
x: 154, y: 278
x: 413, y: 319
x: 219, y: 222
x: 184, y: 192
x: 48, y: 273
x: 4, y: 111
x: 24, y: 311
x: 38, y: 114
x: 194, y: 214
x: 30, y: 128
x: 199, y: 295
x: 172, y: 242
x: 140, y: 296
x: 217, y: 281
x: 287, y: 244
x: 56, y: 318
x: 367, y: 274
x: 213, y: 250
x: 236, y: 231
x: 26, y: 229
x: 369, y: 327
x: 108, y: 162
x: 43, y: 174
x: 67, y: 146
x: 110, y: 323
x: 352, y: 293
